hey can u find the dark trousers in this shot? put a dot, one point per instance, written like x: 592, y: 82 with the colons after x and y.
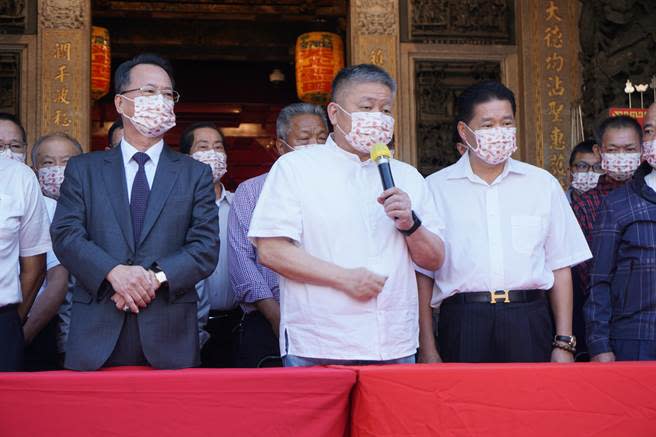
x: 128, y: 350
x: 578, y: 322
x: 495, y: 333
x: 42, y: 353
x: 634, y: 350
x: 221, y: 348
x: 11, y: 339
x: 258, y: 344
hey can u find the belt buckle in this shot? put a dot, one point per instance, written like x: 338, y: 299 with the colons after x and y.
x: 501, y: 295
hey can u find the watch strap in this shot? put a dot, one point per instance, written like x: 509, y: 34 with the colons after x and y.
x: 415, y: 225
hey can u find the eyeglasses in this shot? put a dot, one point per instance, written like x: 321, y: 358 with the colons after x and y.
x: 584, y: 167
x: 149, y: 91
x: 14, y: 147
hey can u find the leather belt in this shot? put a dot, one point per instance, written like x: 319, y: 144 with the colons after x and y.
x: 500, y: 296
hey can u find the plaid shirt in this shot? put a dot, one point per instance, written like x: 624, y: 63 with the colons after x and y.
x: 586, y: 207
x: 250, y: 280
x: 622, y: 300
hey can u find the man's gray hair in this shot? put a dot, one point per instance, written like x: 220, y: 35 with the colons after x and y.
x: 283, y: 124
x: 362, y: 73
x: 37, y: 145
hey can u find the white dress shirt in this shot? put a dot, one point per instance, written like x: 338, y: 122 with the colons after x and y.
x: 650, y: 180
x: 324, y: 199
x: 51, y: 259
x: 131, y: 166
x: 24, y: 225
x: 508, y: 235
x: 217, y: 285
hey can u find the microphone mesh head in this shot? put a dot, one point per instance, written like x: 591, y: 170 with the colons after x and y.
x: 380, y: 150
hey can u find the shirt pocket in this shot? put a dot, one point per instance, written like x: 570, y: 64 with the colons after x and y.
x: 526, y: 233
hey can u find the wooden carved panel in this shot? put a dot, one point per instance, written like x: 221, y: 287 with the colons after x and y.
x: 17, y: 16
x: 618, y: 42
x: 437, y: 86
x: 10, y: 67
x: 459, y: 21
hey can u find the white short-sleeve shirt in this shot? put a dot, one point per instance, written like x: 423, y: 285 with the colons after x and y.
x: 24, y: 225
x: 324, y: 199
x: 508, y: 235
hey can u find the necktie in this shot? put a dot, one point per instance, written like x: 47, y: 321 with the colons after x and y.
x: 139, y: 195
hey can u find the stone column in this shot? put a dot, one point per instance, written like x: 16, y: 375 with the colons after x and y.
x: 551, y: 85
x: 374, y: 39
x: 64, y: 60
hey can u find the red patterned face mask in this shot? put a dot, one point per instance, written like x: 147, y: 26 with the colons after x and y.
x: 494, y: 145
x: 216, y: 160
x: 620, y: 166
x: 50, y: 179
x: 649, y: 152
x: 367, y: 129
x: 153, y: 115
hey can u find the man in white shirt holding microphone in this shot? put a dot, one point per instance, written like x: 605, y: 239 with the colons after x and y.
x: 345, y: 248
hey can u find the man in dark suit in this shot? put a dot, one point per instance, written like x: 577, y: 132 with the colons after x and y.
x: 137, y: 226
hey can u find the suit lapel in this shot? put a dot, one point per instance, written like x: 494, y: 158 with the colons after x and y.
x: 114, y: 176
x: 165, y: 178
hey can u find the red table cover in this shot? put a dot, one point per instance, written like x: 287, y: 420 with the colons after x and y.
x: 186, y: 403
x: 583, y: 399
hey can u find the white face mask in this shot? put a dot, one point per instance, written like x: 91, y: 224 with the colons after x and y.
x: 50, y: 179
x: 9, y: 154
x: 367, y: 129
x: 649, y: 152
x: 218, y: 161
x: 494, y: 145
x: 292, y: 149
x: 620, y: 166
x: 153, y: 115
x: 585, y: 181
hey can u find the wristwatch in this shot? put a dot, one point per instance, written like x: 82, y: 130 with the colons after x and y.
x: 414, y: 227
x: 569, y: 340
x: 159, y: 274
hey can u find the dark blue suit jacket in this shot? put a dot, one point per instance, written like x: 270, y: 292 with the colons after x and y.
x: 92, y: 233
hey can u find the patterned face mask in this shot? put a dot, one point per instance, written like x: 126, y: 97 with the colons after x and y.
x: 218, y: 161
x: 585, y: 181
x: 367, y: 129
x: 153, y: 115
x: 495, y: 145
x: 620, y: 166
x: 50, y: 179
x: 8, y: 154
x: 649, y: 152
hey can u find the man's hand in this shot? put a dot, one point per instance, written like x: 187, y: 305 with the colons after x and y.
x: 361, y: 284
x: 397, y: 207
x: 134, y: 284
x: 561, y: 356
x: 119, y: 301
x: 606, y: 357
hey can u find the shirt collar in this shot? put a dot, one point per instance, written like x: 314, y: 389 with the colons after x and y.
x: 154, y: 151
x: 225, y: 195
x: 330, y: 142
x: 462, y: 169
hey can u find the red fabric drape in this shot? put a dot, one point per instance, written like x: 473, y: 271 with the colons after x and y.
x: 184, y: 403
x: 533, y: 400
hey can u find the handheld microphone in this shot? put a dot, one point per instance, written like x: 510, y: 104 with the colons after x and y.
x: 381, y: 155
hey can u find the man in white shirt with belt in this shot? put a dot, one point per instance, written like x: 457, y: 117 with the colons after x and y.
x: 346, y: 249
x: 24, y: 241
x: 511, y: 239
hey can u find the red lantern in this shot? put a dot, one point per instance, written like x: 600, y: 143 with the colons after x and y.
x: 319, y: 57
x: 101, y: 62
